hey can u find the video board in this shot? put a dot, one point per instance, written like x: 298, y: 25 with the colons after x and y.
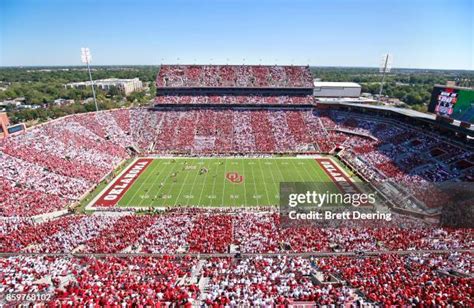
x: 455, y: 103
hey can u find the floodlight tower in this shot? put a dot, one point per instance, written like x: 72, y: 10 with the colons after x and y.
x: 385, y: 67
x: 86, y: 58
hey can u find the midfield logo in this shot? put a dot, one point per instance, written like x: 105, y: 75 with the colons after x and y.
x: 234, y: 177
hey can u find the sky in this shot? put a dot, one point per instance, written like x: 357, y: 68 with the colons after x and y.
x: 418, y: 33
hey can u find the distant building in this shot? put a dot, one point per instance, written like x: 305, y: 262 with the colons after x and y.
x: 10, y: 103
x: 63, y: 101
x: 28, y: 106
x: 127, y: 86
x: 13, y: 102
x: 336, y: 89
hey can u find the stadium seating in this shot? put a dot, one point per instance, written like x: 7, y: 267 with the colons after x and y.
x: 201, y: 231
x: 393, y: 280
x: 227, y: 100
x: 233, y: 76
x: 69, y: 156
x: 206, y: 257
x: 384, y: 280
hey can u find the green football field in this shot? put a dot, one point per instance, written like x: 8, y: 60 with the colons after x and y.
x: 220, y: 182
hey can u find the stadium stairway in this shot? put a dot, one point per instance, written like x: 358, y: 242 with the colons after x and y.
x: 196, y: 272
x: 203, y: 282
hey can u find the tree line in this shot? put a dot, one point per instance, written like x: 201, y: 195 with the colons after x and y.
x: 41, y: 86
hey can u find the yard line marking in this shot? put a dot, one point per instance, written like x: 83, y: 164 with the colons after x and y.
x: 170, y: 165
x: 326, y: 184
x: 214, y: 185
x: 145, y: 180
x: 173, y: 184
x: 182, y: 185
x: 297, y: 171
x: 223, y: 186
x: 139, y: 184
x: 273, y: 177
x: 322, y: 177
x: 264, y: 182
x: 232, y: 195
x: 282, y: 178
x: 170, y: 192
x: 192, y: 187
x: 245, y: 186
x: 254, y: 180
x: 204, y: 185
x: 162, y: 178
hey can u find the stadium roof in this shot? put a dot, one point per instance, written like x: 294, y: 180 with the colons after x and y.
x: 407, y: 112
x: 453, y: 87
x: 331, y: 84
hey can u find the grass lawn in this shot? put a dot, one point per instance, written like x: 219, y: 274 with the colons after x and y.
x: 220, y: 181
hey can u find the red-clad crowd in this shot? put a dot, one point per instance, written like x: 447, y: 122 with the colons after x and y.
x: 383, y: 280
x: 58, y: 162
x: 201, y: 231
x: 388, y: 150
x: 234, y: 76
x: 210, y: 258
x: 233, y: 100
x: 391, y: 280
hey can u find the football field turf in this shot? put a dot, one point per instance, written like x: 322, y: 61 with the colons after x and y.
x: 220, y: 181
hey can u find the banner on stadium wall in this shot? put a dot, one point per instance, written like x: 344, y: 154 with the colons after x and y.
x: 454, y: 103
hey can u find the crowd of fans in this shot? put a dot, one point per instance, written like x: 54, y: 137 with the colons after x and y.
x: 233, y: 100
x: 72, y: 282
x: 215, y: 232
x: 208, y: 257
x: 392, y: 280
x: 233, y: 76
x: 58, y: 162
x: 264, y: 282
x: 234, y: 131
x: 53, y: 165
x: 397, y: 152
x: 384, y: 280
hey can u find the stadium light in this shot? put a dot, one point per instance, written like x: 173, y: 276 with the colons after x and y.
x: 86, y: 58
x: 385, y: 67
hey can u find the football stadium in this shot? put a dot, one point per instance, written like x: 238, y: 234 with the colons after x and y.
x: 177, y: 204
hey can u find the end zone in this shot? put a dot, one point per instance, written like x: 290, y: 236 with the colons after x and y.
x: 119, y: 186
x: 337, y: 175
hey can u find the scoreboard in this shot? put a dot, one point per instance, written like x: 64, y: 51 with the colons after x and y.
x: 453, y: 102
